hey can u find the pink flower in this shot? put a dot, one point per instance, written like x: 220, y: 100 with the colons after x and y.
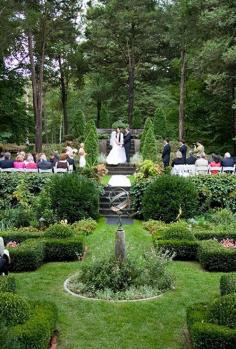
x: 228, y: 243
x: 12, y: 244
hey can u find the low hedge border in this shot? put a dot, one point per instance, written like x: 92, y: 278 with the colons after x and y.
x: 7, y: 284
x: 218, y: 235
x: 183, y: 249
x: 228, y: 284
x: 28, y: 256
x: 207, y: 335
x: 215, y: 257
x: 63, y: 249
x: 19, y: 236
x: 37, y: 330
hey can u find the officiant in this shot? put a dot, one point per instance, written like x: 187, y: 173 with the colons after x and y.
x: 127, y: 143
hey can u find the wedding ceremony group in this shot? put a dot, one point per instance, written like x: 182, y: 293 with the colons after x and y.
x: 117, y: 174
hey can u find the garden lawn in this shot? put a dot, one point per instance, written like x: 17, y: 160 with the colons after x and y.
x: 85, y: 324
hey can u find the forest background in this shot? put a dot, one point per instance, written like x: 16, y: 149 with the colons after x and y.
x: 65, y: 61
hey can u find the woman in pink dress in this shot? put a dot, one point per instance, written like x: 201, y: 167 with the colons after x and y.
x: 29, y: 162
x: 19, y: 162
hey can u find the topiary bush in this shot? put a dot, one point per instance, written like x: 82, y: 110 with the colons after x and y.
x: 7, y: 284
x: 223, y: 311
x: 14, y: 309
x: 176, y: 231
x: 181, y: 249
x: 169, y: 197
x: 74, y: 197
x: 228, y: 284
x: 59, y: 231
x: 91, y: 143
x: 149, y: 148
x: 148, y: 124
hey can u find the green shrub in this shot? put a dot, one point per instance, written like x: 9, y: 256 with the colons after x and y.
x: 85, y: 226
x: 182, y: 249
x: 148, y: 123
x: 169, y: 197
x: 228, y: 284
x: 27, y: 257
x: 19, y: 235
x: 176, y: 231
x: 74, y: 197
x: 149, y: 148
x: 153, y: 226
x: 36, y: 332
x: 7, y: 284
x: 207, y: 335
x: 63, y: 250
x: 137, y: 192
x: 216, y: 191
x: 222, y: 216
x: 14, y: 309
x: 223, y: 311
x: 59, y: 231
x: 215, y: 257
x: 91, y: 145
x: 217, y: 234
x: 119, y: 124
x: 160, y: 124
x: 147, y: 169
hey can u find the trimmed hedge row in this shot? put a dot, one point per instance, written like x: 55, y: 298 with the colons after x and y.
x: 7, y: 284
x: 215, y: 257
x: 19, y: 236
x: 31, y: 254
x: 63, y: 250
x: 219, y: 235
x: 228, y: 284
x: 183, y: 249
x: 208, y: 335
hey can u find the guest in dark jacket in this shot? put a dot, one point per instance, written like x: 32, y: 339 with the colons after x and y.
x: 183, y: 149
x: 179, y: 160
x: 228, y: 161
x: 43, y: 163
x: 191, y: 159
x: 166, y: 153
x: 7, y: 162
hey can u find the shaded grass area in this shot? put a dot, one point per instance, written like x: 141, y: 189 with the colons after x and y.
x: 152, y: 324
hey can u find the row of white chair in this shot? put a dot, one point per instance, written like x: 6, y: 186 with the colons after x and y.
x: 192, y: 170
x: 38, y: 170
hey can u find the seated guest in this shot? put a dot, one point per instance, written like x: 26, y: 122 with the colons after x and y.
x: 191, y: 159
x: 4, y: 258
x: 19, y: 162
x: 43, y: 163
x: 62, y: 163
x: 201, y: 162
x: 179, y: 160
x: 7, y: 162
x: 198, y: 149
x: 215, y: 163
x: 54, y: 158
x: 29, y: 162
x: 183, y: 149
x: 228, y: 161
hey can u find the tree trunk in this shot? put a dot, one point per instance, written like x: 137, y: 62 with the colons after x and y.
x: 37, y: 86
x: 182, y: 94
x: 99, y: 107
x: 64, y: 96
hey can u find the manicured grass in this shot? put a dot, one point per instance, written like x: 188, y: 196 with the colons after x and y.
x: 87, y: 324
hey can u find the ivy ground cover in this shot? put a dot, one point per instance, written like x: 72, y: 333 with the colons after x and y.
x: 155, y: 324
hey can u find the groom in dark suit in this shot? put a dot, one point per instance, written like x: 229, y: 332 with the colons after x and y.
x: 127, y: 143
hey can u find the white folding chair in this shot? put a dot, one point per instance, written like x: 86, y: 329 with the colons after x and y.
x: 228, y: 169
x: 214, y: 168
x: 180, y: 170
x: 191, y: 170
x: 201, y: 170
x: 22, y: 170
x: 45, y: 171
x: 60, y: 170
x: 70, y: 168
x: 31, y: 170
x: 8, y: 170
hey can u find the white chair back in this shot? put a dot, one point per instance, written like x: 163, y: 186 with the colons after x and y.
x: 45, y: 171
x: 180, y: 170
x: 60, y: 170
x: 70, y: 168
x: 201, y: 170
x: 8, y: 170
x: 191, y: 170
x: 31, y: 170
x: 228, y: 169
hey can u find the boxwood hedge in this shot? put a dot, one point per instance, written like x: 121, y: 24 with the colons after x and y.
x: 63, y: 249
x: 228, y: 283
x: 183, y: 249
x: 215, y: 257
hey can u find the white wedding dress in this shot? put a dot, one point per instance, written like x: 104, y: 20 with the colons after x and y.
x: 117, y: 153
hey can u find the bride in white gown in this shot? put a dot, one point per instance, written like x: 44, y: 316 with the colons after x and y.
x: 117, y: 153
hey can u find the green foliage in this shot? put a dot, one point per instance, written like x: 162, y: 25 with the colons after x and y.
x: 91, y: 146
x: 7, y: 284
x: 59, y: 231
x: 215, y: 257
x: 222, y: 216
x: 228, y: 284
x: 169, y: 197
x: 73, y: 197
x: 216, y: 191
x: 78, y: 126
x: 181, y: 249
x: 149, y: 148
x: 63, y: 249
x: 104, y: 117
x: 137, y: 121
x: 148, y: 124
x: 147, y: 169
x: 205, y: 334
x: 159, y: 123
x: 38, y: 329
x: 85, y: 226
x: 20, y: 235
x: 27, y: 257
x: 223, y: 311
x: 119, y: 124
x: 216, y: 233
x: 176, y: 231
x: 137, y: 192
x: 152, y: 226
x: 14, y: 309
